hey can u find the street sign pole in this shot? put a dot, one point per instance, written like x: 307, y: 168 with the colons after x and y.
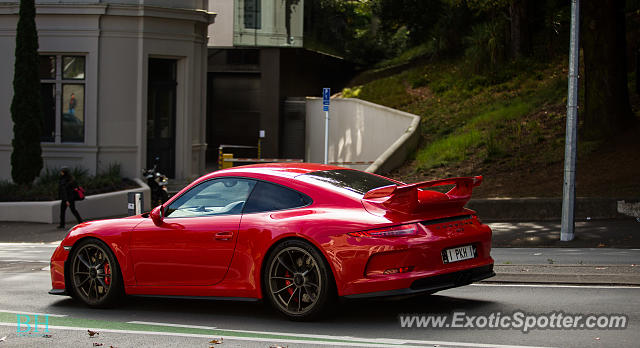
x: 326, y: 94
x: 569, y: 189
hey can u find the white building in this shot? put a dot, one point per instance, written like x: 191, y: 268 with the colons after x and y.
x: 123, y: 81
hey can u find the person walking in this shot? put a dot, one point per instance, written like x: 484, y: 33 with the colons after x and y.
x: 66, y: 185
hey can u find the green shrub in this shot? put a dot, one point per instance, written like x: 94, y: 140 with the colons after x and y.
x: 486, y: 47
x: 45, y: 187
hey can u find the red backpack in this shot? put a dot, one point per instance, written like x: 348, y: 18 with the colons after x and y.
x: 78, y: 192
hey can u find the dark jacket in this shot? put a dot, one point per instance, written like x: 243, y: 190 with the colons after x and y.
x: 66, y: 184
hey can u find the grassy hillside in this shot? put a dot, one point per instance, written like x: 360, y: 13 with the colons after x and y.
x: 508, y: 126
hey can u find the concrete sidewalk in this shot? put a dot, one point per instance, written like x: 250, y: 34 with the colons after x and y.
x: 604, y: 252
x: 594, y: 266
x: 614, y: 233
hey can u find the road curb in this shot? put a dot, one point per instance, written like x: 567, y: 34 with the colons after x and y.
x: 622, y: 275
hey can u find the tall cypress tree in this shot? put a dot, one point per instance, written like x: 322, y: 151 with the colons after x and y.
x: 26, y: 158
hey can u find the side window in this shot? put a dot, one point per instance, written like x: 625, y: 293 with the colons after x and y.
x: 271, y: 197
x: 214, y: 197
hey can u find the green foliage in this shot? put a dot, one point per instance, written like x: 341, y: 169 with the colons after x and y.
x: 45, y: 187
x: 388, y: 91
x: 26, y: 158
x: 418, y: 16
x: 486, y: 48
x: 485, y: 117
x: 351, y: 92
x: 408, y: 55
x: 447, y: 150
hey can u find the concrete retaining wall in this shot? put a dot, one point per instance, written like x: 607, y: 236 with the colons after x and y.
x: 360, y: 131
x: 92, y: 207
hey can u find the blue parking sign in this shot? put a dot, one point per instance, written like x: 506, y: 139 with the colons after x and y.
x: 326, y: 94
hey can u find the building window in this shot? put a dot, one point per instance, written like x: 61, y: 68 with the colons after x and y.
x: 252, y: 14
x: 62, y: 85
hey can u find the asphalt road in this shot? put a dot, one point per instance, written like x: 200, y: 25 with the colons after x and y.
x: 151, y: 322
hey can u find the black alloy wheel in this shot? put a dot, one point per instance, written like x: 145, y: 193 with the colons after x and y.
x: 95, y: 274
x: 297, y: 280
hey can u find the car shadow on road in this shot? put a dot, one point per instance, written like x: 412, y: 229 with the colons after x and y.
x: 204, y: 310
x: 376, y: 310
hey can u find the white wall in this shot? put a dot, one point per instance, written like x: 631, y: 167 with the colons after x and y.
x: 273, y: 31
x: 221, y: 31
x: 360, y: 131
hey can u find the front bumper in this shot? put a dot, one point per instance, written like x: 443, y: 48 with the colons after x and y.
x: 57, y: 266
x: 61, y: 292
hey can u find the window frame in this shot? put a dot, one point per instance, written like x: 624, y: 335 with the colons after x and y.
x: 59, y: 82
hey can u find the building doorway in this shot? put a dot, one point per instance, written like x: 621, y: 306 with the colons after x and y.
x: 161, y: 115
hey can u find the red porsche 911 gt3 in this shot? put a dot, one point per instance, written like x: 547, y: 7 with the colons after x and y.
x: 296, y: 234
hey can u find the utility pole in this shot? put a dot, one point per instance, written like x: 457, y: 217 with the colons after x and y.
x: 570, y: 149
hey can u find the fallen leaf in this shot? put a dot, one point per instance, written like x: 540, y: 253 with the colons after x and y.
x: 92, y: 333
x: 216, y: 341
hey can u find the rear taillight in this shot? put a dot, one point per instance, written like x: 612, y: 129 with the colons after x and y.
x: 395, y: 231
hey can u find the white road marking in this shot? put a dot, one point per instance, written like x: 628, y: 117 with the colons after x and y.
x: 344, y: 338
x: 172, y: 325
x: 30, y: 313
x: 31, y: 245
x: 558, y: 286
x: 363, y: 343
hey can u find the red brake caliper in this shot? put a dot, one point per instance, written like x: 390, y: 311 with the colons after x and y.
x: 107, y: 274
x: 288, y: 282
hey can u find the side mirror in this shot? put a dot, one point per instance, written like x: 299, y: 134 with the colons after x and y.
x: 157, y: 215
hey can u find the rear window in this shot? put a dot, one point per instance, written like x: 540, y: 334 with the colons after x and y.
x: 271, y: 197
x: 351, y: 180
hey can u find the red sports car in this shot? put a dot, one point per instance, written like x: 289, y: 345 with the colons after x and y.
x: 296, y: 234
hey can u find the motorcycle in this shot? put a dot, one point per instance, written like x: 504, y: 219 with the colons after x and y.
x: 157, y: 183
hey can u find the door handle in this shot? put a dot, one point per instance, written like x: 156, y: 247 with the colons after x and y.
x: 224, y: 235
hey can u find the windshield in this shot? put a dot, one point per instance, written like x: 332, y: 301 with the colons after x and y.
x: 347, y: 179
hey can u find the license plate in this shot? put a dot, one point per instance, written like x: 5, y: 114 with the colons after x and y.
x: 458, y: 254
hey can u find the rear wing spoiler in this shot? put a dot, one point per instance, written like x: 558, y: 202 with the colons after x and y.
x: 415, y: 198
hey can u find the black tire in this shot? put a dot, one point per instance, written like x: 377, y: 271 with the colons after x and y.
x: 297, y: 281
x: 95, y: 276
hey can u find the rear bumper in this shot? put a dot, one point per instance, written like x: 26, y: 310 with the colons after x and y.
x: 435, y: 283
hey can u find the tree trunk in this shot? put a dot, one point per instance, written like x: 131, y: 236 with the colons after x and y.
x: 607, y: 110
x: 519, y: 28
